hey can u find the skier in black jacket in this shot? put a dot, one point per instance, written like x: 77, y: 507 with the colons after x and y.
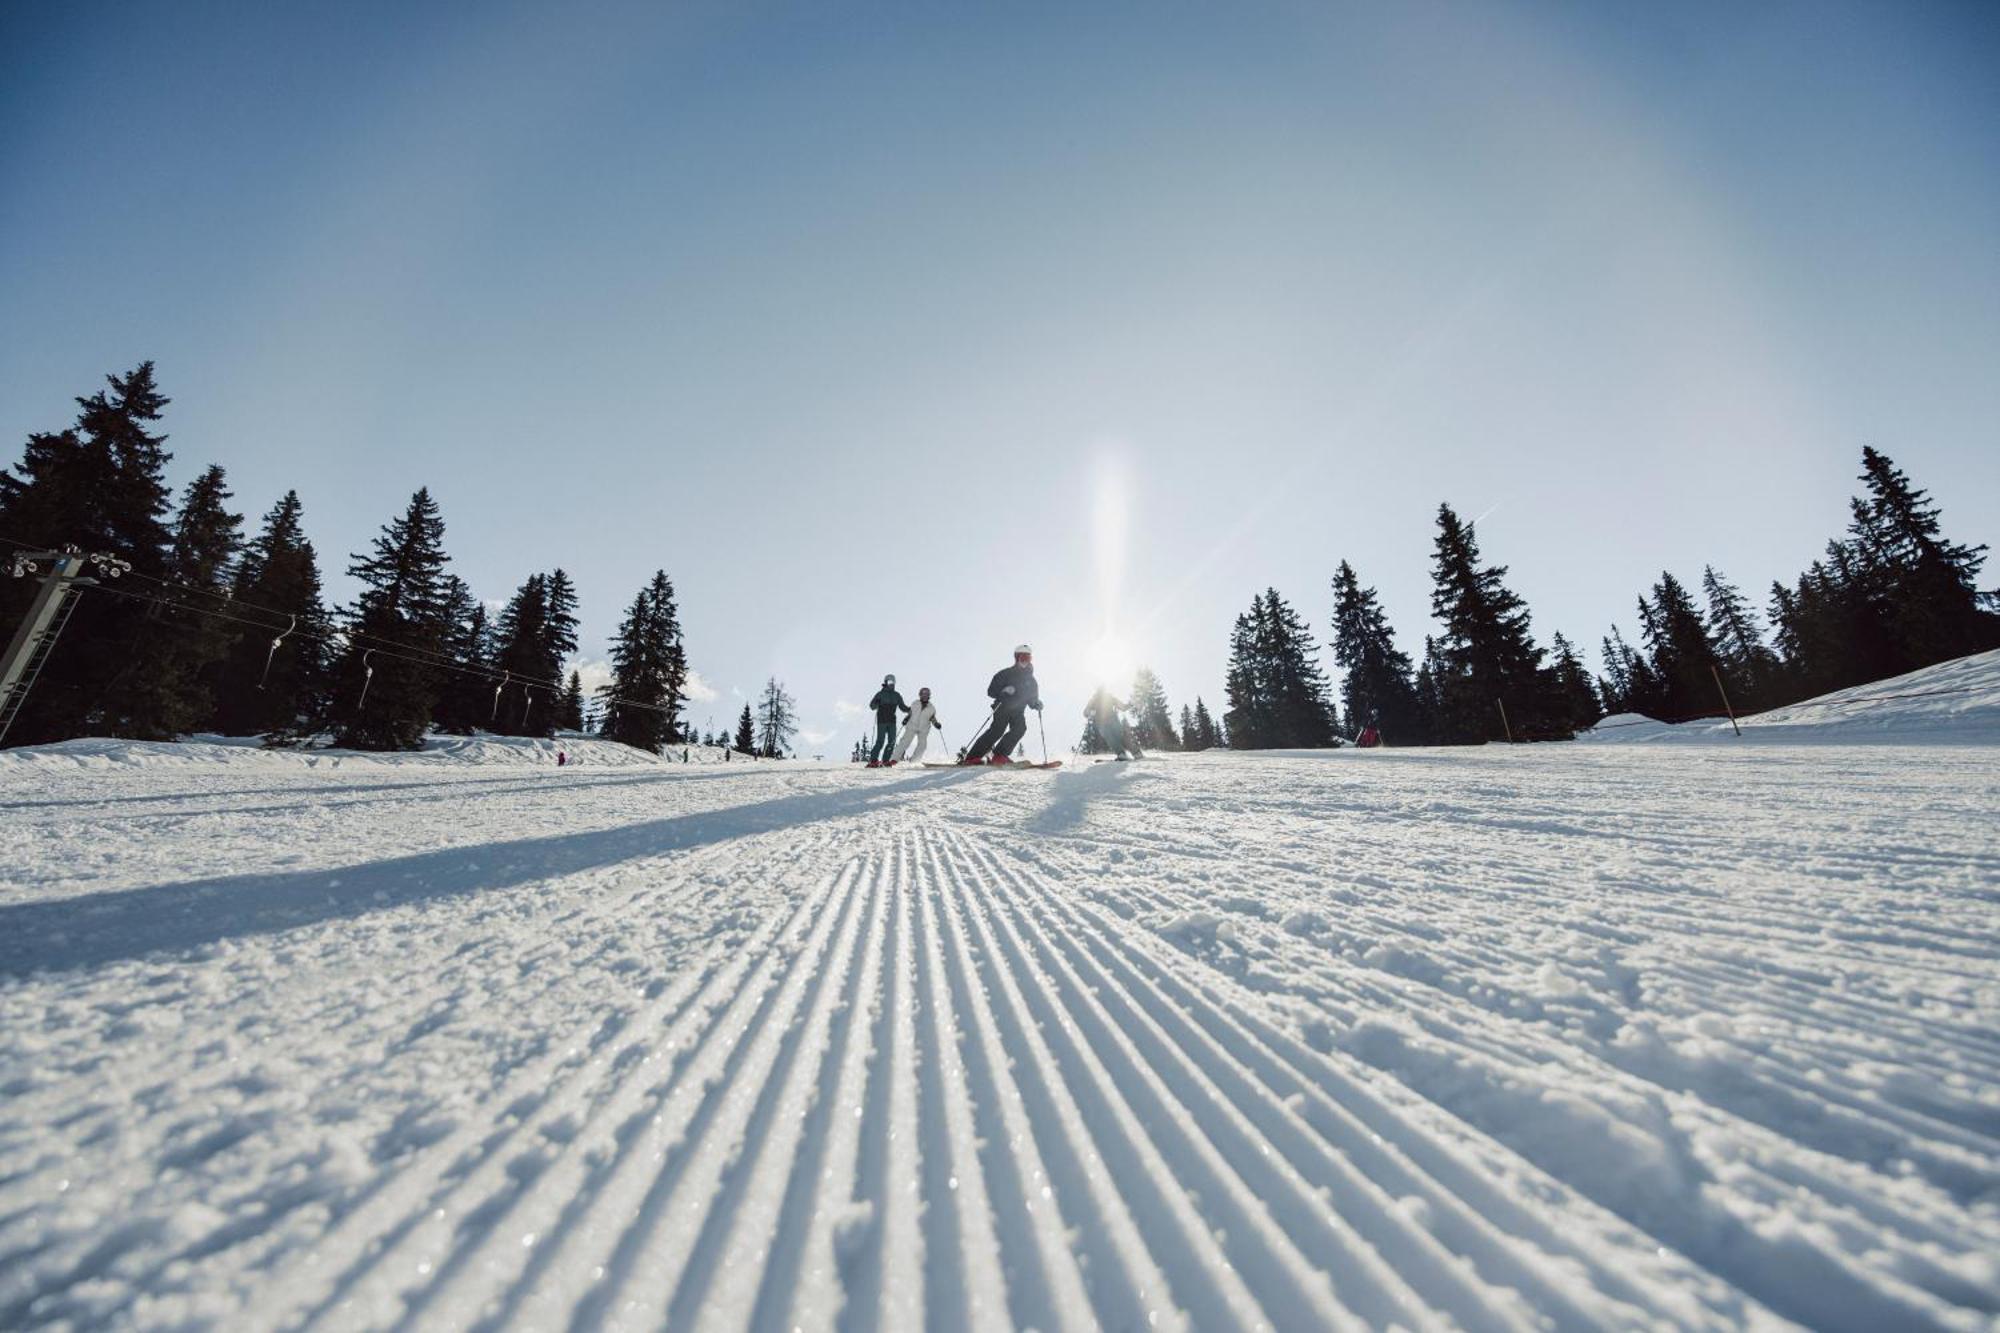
x: 1013, y: 692
x: 885, y: 703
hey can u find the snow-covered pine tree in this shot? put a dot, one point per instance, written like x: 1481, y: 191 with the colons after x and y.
x: 101, y: 487
x: 1485, y: 659
x: 1152, y: 719
x: 276, y: 581
x: 1377, y: 686
x: 746, y: 733
x: 777, y: 720
x: 402, y: 613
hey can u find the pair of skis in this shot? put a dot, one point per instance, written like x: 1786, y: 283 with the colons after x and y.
x: 1018, y: 763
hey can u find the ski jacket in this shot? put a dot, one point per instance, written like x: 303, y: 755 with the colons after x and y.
x: 885, y: 703
x: 921, y: 716
x: 1021, y: 679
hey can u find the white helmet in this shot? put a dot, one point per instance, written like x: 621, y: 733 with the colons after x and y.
x: 1023, y: 650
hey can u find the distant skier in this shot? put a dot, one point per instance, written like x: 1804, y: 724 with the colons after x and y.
x: 1369, y: 737
x: 917, y: 727
x: 1013, y: 692
x: 1108, y: 713
x: 886, y: 703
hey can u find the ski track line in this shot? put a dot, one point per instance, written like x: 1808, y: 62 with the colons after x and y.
x: 618, y: 1129
x: 823, y: 1206
x: 1041, y: 1288
x: 702, y: 1156
x: 1470, y: 1212
x: 149, y: 1078
x: 751, y: 1238
x: 385, y: 1229
x: 1345, y: 1213
x: 883, y: 1267
x: 1128, y: 1288
x: 1893, y: 1298
x: 1255, y: 1240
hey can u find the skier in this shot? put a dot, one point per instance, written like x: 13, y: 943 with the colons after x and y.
x: 1013, y: 693
x: 886, y: 703
x: 917, y: 727
x: 1369, y: 737
x: 1107, y: 712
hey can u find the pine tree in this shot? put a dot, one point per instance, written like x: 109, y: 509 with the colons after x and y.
x: 777, y: 720
x: 398, y: 627
x: 1935, y: 608
x: 1190, y: 738
x: 1575, y: 693
x: 273, y: 681
x: 1614, y: 688
x: 1247, y: 712
x: 642, y: 702
x: 1752, y: 668
x: 569, y: 708
x: 467, y: 699
x: 100, y: 487
x: 1376, y: 688
x: 1205, y: 728
x: 1278, y: 695
x: 1681, y: 651
x: 1486, y: 660
x: 173, y: 669
x: 521, y: 637
x: 1152, y: 717
x: 746, y: 732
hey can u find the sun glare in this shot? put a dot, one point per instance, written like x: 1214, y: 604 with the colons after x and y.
x: 1110, y: 662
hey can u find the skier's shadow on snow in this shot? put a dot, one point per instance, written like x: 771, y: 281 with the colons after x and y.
x: 1071, y: 793
x: 119, y: 924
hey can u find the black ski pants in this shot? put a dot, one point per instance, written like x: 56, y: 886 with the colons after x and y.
x: 1002, y: 734
x: 885, y: 739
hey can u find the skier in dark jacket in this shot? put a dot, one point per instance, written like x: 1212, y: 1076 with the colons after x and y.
x: 1108, y: 713
x: 1013, y: 693
x: 886, y: 704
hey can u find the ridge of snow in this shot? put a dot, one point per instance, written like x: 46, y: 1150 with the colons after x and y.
x: 1951, y: 703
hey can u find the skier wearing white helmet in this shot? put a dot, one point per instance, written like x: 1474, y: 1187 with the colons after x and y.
x: 886, y: 703
x: 917, y: 727
x: 1013, y: 692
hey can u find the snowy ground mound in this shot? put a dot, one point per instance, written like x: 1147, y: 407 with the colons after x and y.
x: 1952, y: 703
x: 248, y: 753
x: 1506, y: 1037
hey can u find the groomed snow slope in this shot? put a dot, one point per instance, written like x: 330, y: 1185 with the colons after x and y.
x: 1952, y: 703
x: 1547, y: 1036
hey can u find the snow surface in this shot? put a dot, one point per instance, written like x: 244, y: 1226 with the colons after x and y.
x: 1511, y: 1037
x: 1953, y: 703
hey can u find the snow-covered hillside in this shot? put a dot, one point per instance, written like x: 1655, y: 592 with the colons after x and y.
x: 249, y: 754
x: 1953, y: 703
x: 1541, y: 1036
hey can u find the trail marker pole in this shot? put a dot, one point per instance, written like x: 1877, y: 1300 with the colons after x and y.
x: 1504, y: 724
x: 1714, y: 671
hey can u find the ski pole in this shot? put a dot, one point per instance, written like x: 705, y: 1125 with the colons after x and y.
x: 1042, y: 727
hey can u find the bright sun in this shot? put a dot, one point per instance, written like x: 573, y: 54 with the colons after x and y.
x: 1110, y: 661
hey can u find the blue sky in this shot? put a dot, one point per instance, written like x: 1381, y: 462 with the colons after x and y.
x: 898, y: 335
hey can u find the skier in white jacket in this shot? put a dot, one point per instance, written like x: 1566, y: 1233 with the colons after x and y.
x: 917, y: 727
